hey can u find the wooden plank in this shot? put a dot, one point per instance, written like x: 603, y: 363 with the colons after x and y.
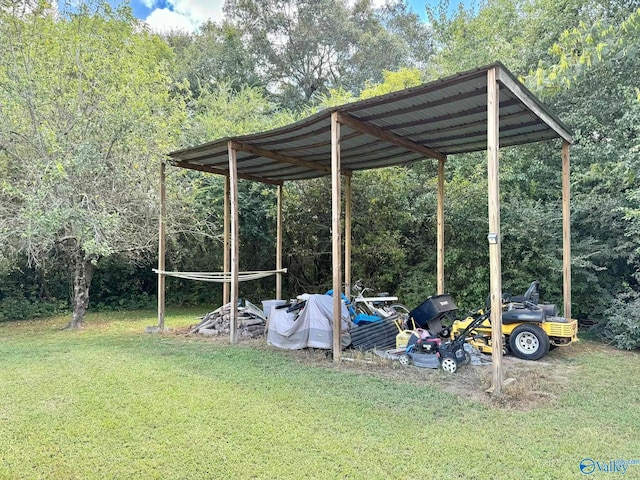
x: 233, y: 201
x: 440, y: 228
x: 263, y: 152
x: 348, y: 199
x: 336, y: 243
x: 279, y: 243
x: 225, y: 256
x: 521, y: 92
x: 220, y: 171
x: 162, y: 247
x: 495, y: 269
x: 566, y: 230
x: 392, y: 138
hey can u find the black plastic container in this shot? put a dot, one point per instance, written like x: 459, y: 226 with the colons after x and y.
x: 429, y: 313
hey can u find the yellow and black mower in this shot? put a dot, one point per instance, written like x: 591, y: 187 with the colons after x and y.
x: 529, y: 328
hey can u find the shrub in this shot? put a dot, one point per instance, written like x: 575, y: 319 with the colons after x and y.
x: 623, y: 325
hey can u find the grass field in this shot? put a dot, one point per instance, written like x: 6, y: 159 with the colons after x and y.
x: 109, y: 401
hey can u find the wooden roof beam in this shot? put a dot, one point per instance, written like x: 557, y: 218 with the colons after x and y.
x: 255, y: 150
x: 522, y: 94
x: 219, y: 171
x: 387, y: 136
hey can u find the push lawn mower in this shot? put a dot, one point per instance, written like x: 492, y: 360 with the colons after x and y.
x: 425, y: 350
x: 433, y: 346
x: 529, y: 328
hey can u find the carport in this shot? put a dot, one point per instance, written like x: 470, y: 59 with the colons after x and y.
x: 481, y: 109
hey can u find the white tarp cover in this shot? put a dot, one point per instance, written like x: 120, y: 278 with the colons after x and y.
x: 312, y: 328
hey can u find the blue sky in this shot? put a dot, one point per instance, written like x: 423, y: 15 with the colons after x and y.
x: 189, y: 14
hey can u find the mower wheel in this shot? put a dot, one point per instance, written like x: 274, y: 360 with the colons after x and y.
x: 449, y: 365
x: 467, y: 358
x: 529, y: 342
x: 404, y: 360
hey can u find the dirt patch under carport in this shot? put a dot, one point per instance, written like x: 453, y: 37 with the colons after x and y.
x: 528, y: 384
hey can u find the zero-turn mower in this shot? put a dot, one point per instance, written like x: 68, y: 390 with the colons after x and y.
x: 529, y: 328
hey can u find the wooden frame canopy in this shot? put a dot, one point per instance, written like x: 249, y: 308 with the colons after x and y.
x: 481, y: 109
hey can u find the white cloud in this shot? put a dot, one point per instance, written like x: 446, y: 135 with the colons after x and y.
x: 185, y: 15
x: 163, y: 20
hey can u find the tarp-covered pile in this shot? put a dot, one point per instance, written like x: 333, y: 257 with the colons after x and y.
x: 311, y: 326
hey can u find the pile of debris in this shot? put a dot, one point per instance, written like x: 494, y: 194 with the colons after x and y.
x: 251, y: 321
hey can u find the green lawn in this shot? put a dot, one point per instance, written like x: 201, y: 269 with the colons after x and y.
x: 112, y: 402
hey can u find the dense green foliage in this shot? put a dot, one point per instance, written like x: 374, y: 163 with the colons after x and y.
x: 86, y: 115
x: 268, y: 63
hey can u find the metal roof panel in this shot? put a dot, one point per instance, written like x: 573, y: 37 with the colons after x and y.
x: 447, y: 115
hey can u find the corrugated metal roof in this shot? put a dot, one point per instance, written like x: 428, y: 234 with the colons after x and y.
x: 446, y: 116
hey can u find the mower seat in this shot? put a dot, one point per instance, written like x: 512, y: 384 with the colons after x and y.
x: 549, y: 309
x: 532, y: 295
x: 518, y: 315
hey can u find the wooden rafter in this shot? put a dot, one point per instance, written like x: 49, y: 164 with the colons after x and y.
x: 246, y: 147
x: 521, y: 93
x: 219, y: 171
x: 390, y: 137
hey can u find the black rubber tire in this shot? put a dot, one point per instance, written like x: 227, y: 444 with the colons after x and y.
x: 467, y: 358
x: 529, y: 342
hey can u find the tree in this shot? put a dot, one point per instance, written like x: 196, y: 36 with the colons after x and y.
x: 215, y: 55
x: 597, y: 63
x: 305, y: 47
x: 85, y: 117
x: 516, y: 32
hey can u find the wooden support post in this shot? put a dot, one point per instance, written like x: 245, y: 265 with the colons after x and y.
x: 440, y: 227
x: 495, y: 269
x: 335, y: 235
x: 347, y: 234
x: 233, y: 201
x: 225, y: 255
x: 161, y: 247
x: 279, y: 244
x: 566, y: 230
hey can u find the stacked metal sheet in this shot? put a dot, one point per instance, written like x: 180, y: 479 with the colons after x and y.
x: 380, y: 335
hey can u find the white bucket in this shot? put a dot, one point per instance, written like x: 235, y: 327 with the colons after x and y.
x: 267, y: 305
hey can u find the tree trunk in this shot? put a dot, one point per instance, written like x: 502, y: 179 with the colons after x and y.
x: 83, y: 272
